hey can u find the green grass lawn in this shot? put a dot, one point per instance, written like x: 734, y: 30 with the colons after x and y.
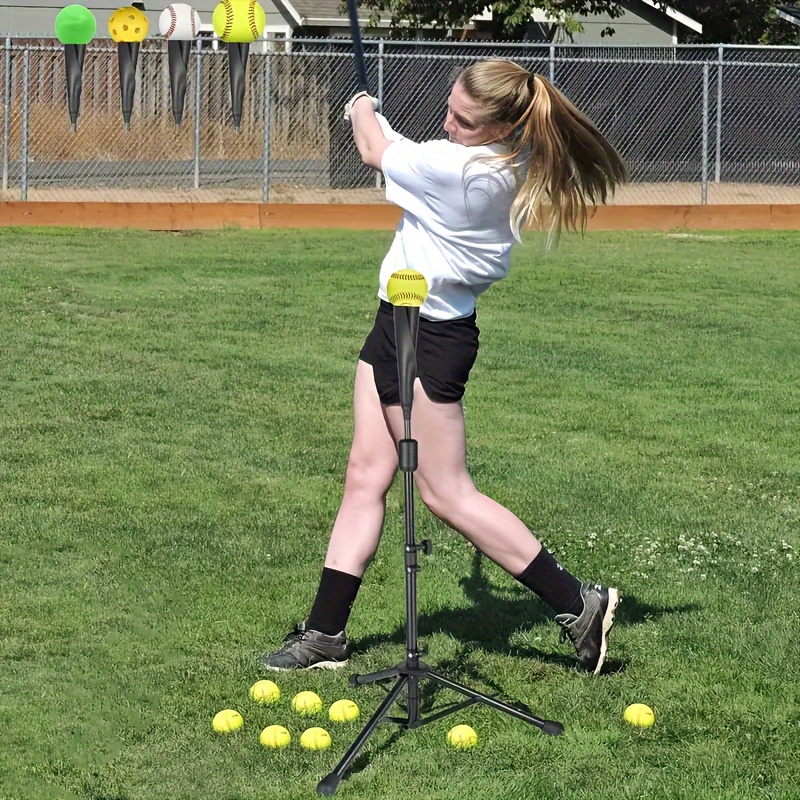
x: 174, y: 426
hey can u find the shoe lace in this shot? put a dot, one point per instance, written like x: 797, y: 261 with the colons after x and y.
x: 294, y: 638
x: 567, y: 632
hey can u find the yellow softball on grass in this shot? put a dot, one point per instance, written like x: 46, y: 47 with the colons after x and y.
x: 307, y: 703
x: 239, y: 20
x: 462, y: 737
x: 640, y: 715
x: 315, y: 739
x: 265, y: 693
x: 275, y: 737
x: 407, y: 287
x: 343, y: 711
x: 227, y: 721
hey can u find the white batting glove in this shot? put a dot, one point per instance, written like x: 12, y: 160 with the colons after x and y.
x: 348, y: 106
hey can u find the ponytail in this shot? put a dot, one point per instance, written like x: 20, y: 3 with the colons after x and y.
x: 570, y: 164
x: 563, y: 162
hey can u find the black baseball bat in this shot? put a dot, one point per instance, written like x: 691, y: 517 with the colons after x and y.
x: 358, y: 46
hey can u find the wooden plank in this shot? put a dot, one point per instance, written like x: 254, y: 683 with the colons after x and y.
x: 379, y: 216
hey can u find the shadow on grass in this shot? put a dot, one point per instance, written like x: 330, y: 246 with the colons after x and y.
x: 484, y: 627
x: 487, y: 623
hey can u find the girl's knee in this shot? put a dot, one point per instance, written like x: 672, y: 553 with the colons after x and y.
x: 369, y: 475
x: 442, y: 497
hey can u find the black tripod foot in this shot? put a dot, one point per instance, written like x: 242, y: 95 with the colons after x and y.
x: 329, y: 784
x: 552, y: 728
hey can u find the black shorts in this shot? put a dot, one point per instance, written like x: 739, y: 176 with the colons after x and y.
x: 446, y: 351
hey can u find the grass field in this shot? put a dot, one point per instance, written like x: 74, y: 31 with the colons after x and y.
x: 174, y: 429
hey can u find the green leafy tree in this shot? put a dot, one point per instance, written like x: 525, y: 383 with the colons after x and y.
x: 510, y: 18
x: 738, y: 22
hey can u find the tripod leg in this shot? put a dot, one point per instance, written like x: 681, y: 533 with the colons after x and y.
x: 372, y: 677
x: 548, y: 726
x: 413, y: 701
x: 330, y: 783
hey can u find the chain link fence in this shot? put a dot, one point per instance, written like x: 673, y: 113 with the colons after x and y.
x: 696, y: 124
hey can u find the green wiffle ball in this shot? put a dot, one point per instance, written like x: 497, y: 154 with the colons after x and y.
x: 75, y: 24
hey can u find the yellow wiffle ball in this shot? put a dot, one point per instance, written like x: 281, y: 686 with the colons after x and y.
x: 265, y: 693
x: 640, y: 715
x: 239, y: 20
x: 462, y: 737
x: 407, y: 287
x: 227, y: 721
x: 128, y: 24
x: 343, y: 711
x: 315, y: 739
x: 275, y: 737
x: 307, y: 703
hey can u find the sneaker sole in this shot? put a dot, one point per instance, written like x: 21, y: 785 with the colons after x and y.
x: 298, y: 668
x: 608, y: 623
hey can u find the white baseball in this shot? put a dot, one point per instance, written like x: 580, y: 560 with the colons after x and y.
x: 179, y: 21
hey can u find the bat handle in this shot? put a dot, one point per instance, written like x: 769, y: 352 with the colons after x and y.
x: 358, y: 47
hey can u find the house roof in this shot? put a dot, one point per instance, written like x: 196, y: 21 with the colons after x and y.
x: 319, y: 12
x: 789, y: 13
x: 326, y: 12
x: 681, y: 19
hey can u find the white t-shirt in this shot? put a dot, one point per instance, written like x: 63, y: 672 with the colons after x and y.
x: 455, y: 228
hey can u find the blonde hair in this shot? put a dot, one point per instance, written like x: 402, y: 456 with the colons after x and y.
x: 562, y: 160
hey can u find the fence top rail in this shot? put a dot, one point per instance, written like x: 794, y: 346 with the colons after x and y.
x: 159, y: 47
x: 373, y: 42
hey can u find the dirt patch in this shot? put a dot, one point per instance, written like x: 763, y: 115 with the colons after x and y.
x: 633, y: 194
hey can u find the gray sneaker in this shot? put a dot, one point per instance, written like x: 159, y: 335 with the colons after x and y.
x: 304, y: 649
x: 589, y: 631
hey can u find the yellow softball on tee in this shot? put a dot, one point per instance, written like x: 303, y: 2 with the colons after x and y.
x: 128, y: 24
x: 407, y: 287
x: 239, y: 20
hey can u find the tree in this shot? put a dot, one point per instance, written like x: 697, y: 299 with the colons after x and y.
x: 510, y: 18
x: 738, y: 22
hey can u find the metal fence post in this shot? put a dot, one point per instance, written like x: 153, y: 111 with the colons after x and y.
x: 704, y: 185
x: 718, y: 148
x: 7, y: 113
x: 267, y: 110
x: 26, y: 68
x: 198, y: 74
x: 553, y: 64
x: 378, y: 174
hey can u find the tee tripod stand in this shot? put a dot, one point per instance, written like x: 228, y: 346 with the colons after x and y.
x: 412, y: 671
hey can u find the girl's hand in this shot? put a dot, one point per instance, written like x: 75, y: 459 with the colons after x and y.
x: 348, y: 106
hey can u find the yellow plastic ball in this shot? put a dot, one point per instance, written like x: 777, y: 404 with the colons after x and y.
x: 307, y: 703
x: 239, y: 20
x: 275, y: 737
x: 265, y: 693
x: 462, y: 737
x: 227, y: 721
x: 315, y: 739
x: 343, y: 711
x: 640, y: 715
x: 128, y: 24
x: 407, y: 287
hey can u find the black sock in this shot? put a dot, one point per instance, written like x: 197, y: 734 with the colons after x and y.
x: 557, y: 587
x: 335, y: 597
